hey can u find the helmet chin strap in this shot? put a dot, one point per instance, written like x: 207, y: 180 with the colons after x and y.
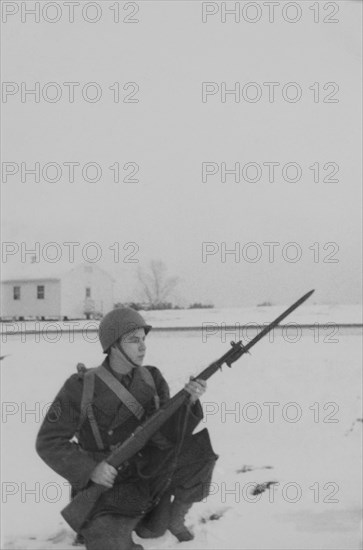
x: 119, y: 345
x: 120, y: 361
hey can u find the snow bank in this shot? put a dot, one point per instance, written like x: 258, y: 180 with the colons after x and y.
x: 215, y: 317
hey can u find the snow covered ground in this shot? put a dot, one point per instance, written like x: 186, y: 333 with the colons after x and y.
x: 288, y: 414
x: 187, y: 318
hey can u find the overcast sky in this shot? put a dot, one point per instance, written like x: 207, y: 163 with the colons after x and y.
x: 170, y: 132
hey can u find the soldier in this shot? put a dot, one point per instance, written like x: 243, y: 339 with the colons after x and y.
x: 98, y: 408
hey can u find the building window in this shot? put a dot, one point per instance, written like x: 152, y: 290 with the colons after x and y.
x: 88, y: 292
x: 16, y: 292
x: 40, y: 292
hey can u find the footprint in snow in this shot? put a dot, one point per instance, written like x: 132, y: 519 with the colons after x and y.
x: 246, y: 468
x: 215, y: 516
x: 261, y: 487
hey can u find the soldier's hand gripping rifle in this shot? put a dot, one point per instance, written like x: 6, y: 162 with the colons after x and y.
x: 78, y: 510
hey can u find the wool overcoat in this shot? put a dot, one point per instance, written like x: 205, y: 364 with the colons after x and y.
x: 71, y: 450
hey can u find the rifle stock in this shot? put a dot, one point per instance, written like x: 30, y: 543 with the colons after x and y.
x: 78, y: 510
x: 80, y: 507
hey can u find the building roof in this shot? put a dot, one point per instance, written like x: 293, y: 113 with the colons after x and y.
x: 29, y: 272
x: 39, y: 271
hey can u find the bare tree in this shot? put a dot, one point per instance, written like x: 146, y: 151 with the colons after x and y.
x: 156, y: 287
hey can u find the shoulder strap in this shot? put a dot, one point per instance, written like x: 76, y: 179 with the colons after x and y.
x: 122, y: 393
x: 86, y: 406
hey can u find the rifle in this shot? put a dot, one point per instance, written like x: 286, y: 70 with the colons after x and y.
x: 79, y: 509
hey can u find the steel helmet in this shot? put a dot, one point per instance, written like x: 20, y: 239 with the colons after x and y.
x: 118, y: 322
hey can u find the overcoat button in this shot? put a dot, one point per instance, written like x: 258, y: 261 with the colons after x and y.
x: 110, y: 432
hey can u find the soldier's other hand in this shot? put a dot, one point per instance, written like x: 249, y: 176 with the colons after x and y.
x: 104, y: 474
x: 196, y: 388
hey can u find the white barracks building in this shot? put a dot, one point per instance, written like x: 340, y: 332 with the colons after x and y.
x: 41, y: 292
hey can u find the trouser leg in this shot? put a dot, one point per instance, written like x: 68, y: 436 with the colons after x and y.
x: 110, y: 532
x: 190, y: 482
x: 178, y: 511
x: 156, y: 522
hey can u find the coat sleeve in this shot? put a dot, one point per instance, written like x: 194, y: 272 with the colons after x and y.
x: 54, y: 443
x: 194, y: 412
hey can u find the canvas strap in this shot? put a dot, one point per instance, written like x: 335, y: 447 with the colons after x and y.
x: 122, y: 393
x: 87, y: 408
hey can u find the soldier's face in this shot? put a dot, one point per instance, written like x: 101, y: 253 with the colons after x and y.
x: 133, y: 344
